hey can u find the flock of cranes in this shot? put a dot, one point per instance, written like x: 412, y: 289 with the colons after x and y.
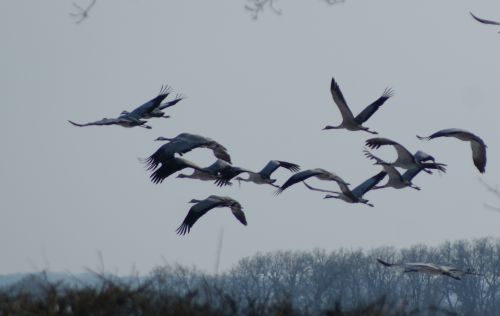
x: 167, y: 160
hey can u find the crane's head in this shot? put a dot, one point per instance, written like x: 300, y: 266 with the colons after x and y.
x: 330, y: 127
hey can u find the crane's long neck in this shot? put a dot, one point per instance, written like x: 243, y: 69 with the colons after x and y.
x: 332, y: 127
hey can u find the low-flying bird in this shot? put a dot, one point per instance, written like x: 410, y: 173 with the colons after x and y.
x: 171, y: 166
x: 398, y: 180
x: 203, y: 206
x: 261, y: 177
x: 430, y: 268
x: 350, y: 122
x: 476, y: 143
x: 484, y: 21
x: 153, y: 107
x: 405, y: 160
x: 319, y: 173
x: 182, y: 144
x: 355, y: 195
x: 210, y: 173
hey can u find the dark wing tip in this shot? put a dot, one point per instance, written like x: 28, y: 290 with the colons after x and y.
x: 183, y: 229
x: 424, y: 137
x: 383, y: 262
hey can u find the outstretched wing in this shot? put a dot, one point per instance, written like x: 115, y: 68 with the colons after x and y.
x: 275, y: 164
x: 171, y: 103
x: 385, y: 263
x: 195, y: 212
x: 479, y: 155
x: 104, y: 121
x: 368, y: 184
x: 152, y: 104
x: 339, y: 100
x: 296, y: 178
x: 484, y: 20
x: 377, y: 142
x: 237, y: 211
x: 227, y: 173
x: 372, y: 108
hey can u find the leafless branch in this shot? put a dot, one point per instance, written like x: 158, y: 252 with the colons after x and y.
x: 82, y: 13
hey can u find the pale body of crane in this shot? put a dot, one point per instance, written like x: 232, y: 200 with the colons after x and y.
x: 203, y: 206
x: 210, y: 173
x: 349, y: 121
x: 355, y: 195
x: 477, y: 144
x: 430, y: 268
x: 261, y: 177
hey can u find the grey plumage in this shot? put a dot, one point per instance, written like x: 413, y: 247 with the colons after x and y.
x: 350, y: 122
x: 430, y: 268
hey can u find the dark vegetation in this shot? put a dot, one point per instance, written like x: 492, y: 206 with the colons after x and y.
x: 343, y: 282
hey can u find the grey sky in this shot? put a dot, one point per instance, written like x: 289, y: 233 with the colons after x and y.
x: 261, y: 88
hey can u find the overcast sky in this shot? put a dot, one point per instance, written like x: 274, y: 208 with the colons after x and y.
x: 260, y: 88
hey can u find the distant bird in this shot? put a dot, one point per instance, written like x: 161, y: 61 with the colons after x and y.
x: 203, y: 206
x: 430, y: 268
x: 398, y: 180
x: 319, y: 173
x: 350, y: 122
x: 261, y: 177
x: 405, y: 160
x: 171, y: 166
x: 477, y: 144
x: 485, y: 21
x: 182, y: 144
x: 210, y: 173
x: 122, y: 120
x: 153, y: 108
x: 356, y: 195
x: 150, y: 109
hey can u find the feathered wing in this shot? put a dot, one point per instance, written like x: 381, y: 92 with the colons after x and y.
x: 275, y: 164
x: 377, y: 142
x: 385, y: 263
x: 227, y: 173
x: 479, y: 155
x: 195, y: 212
x: 104, y: 121
x: 171, y: 103
x: 368, y: 184
x: 237, y: 211
x: 339, y: 100
x: 152, y: 104
x: 171, y: 166
x: 296, y: 178
x: 484, y: 20
x: 364, y: 115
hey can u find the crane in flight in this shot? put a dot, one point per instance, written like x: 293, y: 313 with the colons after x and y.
x: 355, y: 195
x: 261, y: 177
x: 476, y: 143
x: 430, y: 268
x: 201, y: 207
x: 396, y: 179
x: 350, y: 122
x: 151, y: 108
x: 405, y: 159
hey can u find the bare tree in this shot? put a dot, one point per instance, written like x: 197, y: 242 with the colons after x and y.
x: 255, y: 7
x: 82, y: 13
